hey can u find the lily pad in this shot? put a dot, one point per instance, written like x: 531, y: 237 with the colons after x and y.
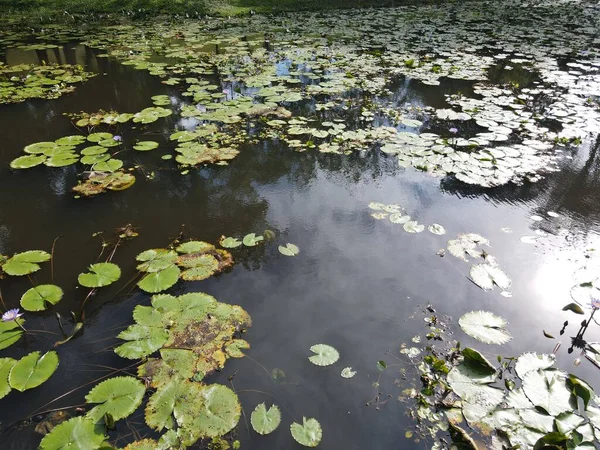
x: 485, y: 327
x: 6, y: 364
x: 265, y: 421
x: 118, y: 396
x: 202, y: 267
x: 10, y: 332
x: 38, y: 297
x: 27, y: 161
x: 100, y: 275
x: 436, y: 228
x: 486, y: 275
x: 25, y: 263
x: 157, y: 259
x: 250, y: 240
x: 325, y: 355
x: 309, y: 434
x: 229, y: 242
x: 160, y: 281
x: 289, y: 250
x: 413, y: 227
x: 144, y: 146
x: 78, y: 433
x: 32, y: 370
x: 348, y: 372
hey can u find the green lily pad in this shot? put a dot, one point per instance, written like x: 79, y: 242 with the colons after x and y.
x: 348, y: 372
x: 195, y: 247
x: 110, y: 165
x: 229, y: 242
x: 39, y: 147
x: 485, y: 327
x: 250, y: 240
x: 144, y: 146
x: 25, y: 263
x: 160, y: 281
x: 118, y: 396
x: 38, y: 297
x: 289, y: 250
x: 100, y: 275
x: 156, y: 259
x: 203, y: 267
x: 94, y: 150
x: 325, y: 355
x: 10, y: 332
x: 309, y: 434
x: 547, y: 389
x: 32, y: 370
x: 413, y: 227
x: 6, y: 364
x: 265, y: 421
x: 78, y: 433
x: 93, y: 159
x: 97, y: 137
x: 71, y: 140
x: 27, y: 161
x: 486, y: 275
x: 436, y: 228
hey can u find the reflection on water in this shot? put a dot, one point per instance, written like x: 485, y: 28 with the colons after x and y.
x: 353, y: 286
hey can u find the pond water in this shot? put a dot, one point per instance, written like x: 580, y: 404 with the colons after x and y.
x: 358, y: 284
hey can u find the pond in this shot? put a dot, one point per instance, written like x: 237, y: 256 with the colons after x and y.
x: 371, y: 140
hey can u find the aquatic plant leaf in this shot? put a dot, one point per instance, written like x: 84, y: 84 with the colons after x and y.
x: 547, y: 389
x: 38, y: 297
x: 533, y: 361
x: 348, y: 372
x: 98, y: 137
x: 110, y: 165
x: 289, y: 250
x: 100, y: 275
x: 229, y: 242
x: 143, y: 341
x: 325, y: 355
x: 436, y: 228
x: 144, y: 146
x: 27, y: 161
x: 32, y: 370
x: 6, y: 364
x: 250, y: 240
x: 94, y: 150
x: 78, y: 433
x: 159, y: 410
x: 413, y: 227
x: 156, y: 259
x: 118, y: 396
x: 486, y: 275
x: 162, y: 280
x: 398, y: 218
x: 309, y: 434
x: 203, y: 266
x: 71, y: 140
x: 10, y: 332
x: 265, y: 421
x: 485, y: 326
x: 195, y: 247
x: 143, y: 444
x: 574, y: 307
x: 99, y: 182
x: 25, y: 263
x: 466, y: 245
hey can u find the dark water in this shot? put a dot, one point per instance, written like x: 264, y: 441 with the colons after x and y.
x: 354, y: 285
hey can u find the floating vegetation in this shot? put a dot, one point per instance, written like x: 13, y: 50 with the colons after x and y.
x: 348, y: 372
x: 190, y: 261
x: 308, y: 434
x: 23, y: 263
x: 265, y: 421
x: 485, y: 327
x: 289, y: 249
x: 324, y: 355
x: 23, y: 82
x: 39, y: 297
x: 461, y: 395
x: 28, y: 372
x: 100, y: 275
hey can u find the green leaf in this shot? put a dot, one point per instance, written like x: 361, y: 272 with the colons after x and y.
x: 25, y: 263
x: 203, y: 267
x: 308, y: 434
x: 486, y: 275
x: 97, y: 137
x: 144, y: 341
x: 10, y: 332
x: 156, y: 259
x: 195, y: 247
x: 325, y: 355
x: 348, y: 372
x: 78, y: 433
x: 436, y: 228
x: 413, y: 227
x: 119, y: 397
x: 32, y: 370
x: 250, y: 240
x: 38, y: 297
x: 71, y: 140
x: 381, y: 365
x: 161, y: 280
x: 581, y: 389
x: 532, y: 361
x: 6, y: 364
x: 265, y: 421
x: 485, y: 327
x: 547, y: 389
x: 144, y: 146
x: 289, y: 250
x: 27, y: 161
x: 574, y: 307
x: 229, y: 242
x: 101, y: 274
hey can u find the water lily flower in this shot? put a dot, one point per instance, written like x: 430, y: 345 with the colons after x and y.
x: 595, y: 303
x: 11, y: 314
x: 117, y: 138
x: 453, y: 130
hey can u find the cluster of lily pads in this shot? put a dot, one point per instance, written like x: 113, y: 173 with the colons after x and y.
x: 24, y: 82
x: 523, y: 403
